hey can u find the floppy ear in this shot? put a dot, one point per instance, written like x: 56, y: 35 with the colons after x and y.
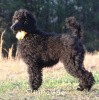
x: 31, y: 17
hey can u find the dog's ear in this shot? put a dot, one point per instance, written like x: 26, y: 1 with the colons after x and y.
x: 30, y: 16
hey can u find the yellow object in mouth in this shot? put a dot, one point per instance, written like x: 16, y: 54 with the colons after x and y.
x: 20, y: 35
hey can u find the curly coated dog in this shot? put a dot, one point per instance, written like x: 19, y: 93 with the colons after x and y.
x: 39, y: 49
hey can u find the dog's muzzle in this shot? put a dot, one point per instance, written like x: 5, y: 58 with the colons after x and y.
x: 16, y: 26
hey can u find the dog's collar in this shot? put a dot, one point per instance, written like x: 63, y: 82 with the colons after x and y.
x: 20, y: 35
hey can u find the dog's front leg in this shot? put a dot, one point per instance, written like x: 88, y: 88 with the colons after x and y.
x: 35, y: 77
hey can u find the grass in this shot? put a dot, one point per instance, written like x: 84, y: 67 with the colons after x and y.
x: 57, y: 84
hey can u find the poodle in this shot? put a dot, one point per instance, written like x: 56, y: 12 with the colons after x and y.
x: 39, y: 49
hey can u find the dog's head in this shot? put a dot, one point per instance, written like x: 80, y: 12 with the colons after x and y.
x: 23, y: 20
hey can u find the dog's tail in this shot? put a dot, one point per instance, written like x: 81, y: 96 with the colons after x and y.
x: 74, y: 26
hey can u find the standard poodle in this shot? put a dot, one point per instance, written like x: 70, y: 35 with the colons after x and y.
x: 39, y: 49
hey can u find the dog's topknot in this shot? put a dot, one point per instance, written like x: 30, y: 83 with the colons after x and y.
x: 21, y: 13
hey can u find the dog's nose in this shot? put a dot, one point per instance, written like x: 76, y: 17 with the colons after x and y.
x: 16, y: 27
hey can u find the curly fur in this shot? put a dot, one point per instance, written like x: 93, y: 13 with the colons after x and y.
x: 39, y: 49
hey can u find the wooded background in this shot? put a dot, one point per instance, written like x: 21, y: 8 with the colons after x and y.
x: 51, y: 14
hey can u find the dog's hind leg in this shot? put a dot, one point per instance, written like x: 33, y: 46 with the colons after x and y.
x: 86, y: 81
x: 76, y: 69
x: 35, y: 77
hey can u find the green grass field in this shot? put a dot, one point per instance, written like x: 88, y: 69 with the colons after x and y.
x: 57, y: 83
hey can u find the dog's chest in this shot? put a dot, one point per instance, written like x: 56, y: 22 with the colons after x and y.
x: 30, y: 47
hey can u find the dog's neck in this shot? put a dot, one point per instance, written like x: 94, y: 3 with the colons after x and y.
x: 35, y: 31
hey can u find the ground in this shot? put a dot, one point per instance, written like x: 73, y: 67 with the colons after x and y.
x: 14, y: 82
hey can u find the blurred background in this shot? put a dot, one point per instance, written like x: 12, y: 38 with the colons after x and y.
x: 50, y: 15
